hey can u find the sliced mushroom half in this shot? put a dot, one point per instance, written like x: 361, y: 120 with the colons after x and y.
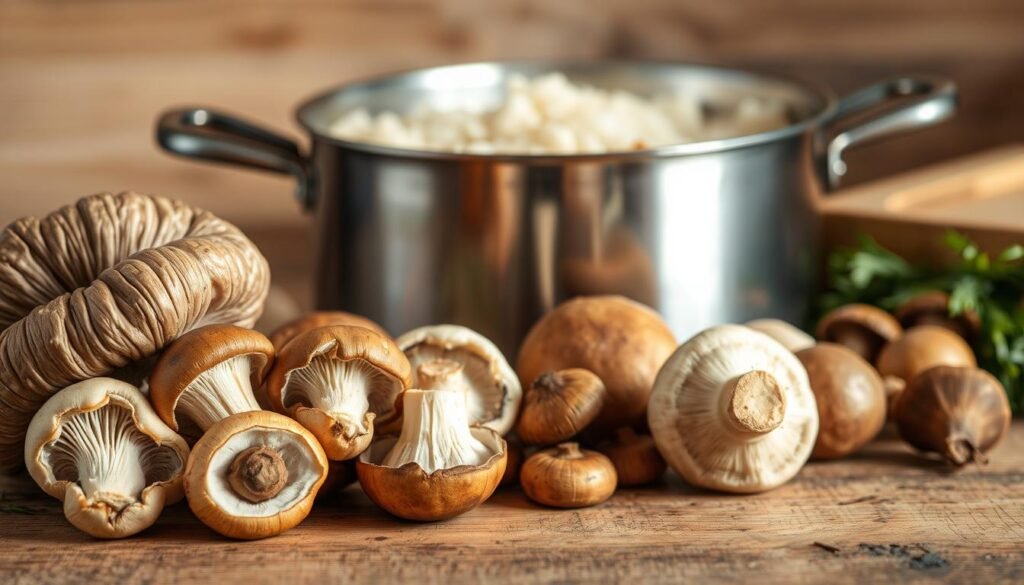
x: 98, y: 446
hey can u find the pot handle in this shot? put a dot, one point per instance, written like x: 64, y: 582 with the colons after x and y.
x: 924, y: 101
x: 205, y: 134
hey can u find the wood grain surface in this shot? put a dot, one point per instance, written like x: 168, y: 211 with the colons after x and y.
x: 885, y: 515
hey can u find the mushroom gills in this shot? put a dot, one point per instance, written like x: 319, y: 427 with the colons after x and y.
x: 104, y: 452
x: 485, y: 398
x: 328, y: 384
x: 436, y: 433
x: 221, y: 391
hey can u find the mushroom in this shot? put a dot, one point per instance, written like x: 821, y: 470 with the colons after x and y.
x: 285, y: 333
x: 513, y: 462
x: 623, y: 342
x: 957, y: 412
x: 439, y: 466
x: 922, y: 348
x: 732, y: 410
x: 850, y: 396
x: 254, y: 474
x: 98, y: 446
x: 568, y: 477
x: 792, y: 337
x: 340, y: 475
x: 336, y: 381
x: 635, y: 457
x: 559, y: 405
x: 863, y: 328
x: 107, y: 282
x: 492, y: 389
x: 932, y: 308
x: 209, y: 374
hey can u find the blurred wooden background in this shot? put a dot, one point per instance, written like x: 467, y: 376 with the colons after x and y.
x: 81, y: 81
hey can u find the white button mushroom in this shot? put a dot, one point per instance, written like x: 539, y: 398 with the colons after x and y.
x: 732, y: 410
x: 789, y: 335
x: 98, y: 446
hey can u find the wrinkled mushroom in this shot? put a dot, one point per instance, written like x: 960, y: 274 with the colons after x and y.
x: 863, y: 328
x: 440, y: 466
x: 623, y: 342
x: 317, y: 319
x: 98, y: 446
x: 109, y: 281
x: 568, y: 477
x: 789, y: 335
x: 558, y: 405
x: 932, y: 308
x: 209, y: 374
x: 337, y: 381
x: 492, y: 389
x: 732, y: 410
x: 922, y: 348
x: 254, y: 475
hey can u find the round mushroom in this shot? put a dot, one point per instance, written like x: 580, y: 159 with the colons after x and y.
x: 209, y: 374
x: 932, y: 308
x: 492, y: 389
x: 789, y: 335
x: 336, y: 381
x: 98, y: 446
x: 850, y: 396
x: 923, y: 348
x: 439, y: 466
x: 285, y: 333
x: 621, y: 341
x: 558, y: 405
x: 635, y: 457
x: 568, y: 477
x: 732, y: 410
x: 863, y: 328
x: 254, y: 475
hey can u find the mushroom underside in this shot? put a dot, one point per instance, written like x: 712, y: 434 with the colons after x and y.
x: 487, y: 400
x: 219, y: 392
x: 352, y: 387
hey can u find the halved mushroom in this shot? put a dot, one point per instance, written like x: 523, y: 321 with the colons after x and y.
x: 789, y: 335
x: 317, y: 319
x: 98, y: 446
x: 439, y: 467
x: 493, y: 392
x: 209, y: 374
x: 336, y: 381
x: 732, y: 410
x: 254, y: 475
x: 863, y: 328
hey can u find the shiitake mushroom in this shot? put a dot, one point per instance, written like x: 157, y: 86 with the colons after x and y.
x: 558, y: 405
x: 568, y: 477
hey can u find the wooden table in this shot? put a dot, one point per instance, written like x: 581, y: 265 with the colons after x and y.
x: 886, y: 515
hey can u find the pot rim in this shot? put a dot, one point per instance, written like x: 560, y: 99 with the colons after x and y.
x: 826, y: 96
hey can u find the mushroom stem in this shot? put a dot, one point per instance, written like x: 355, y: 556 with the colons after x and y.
x: 757, y: 403
x: 258, y: 474
x: 858, y: 340
x: 435, y: 433
x: 569, y: 451
x: 961, y: 450
x: 439, y: 374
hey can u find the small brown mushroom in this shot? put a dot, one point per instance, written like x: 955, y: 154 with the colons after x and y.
x: 317, y: 319
x: 922, y: 348
x: 635, y: 456
x: 568, y: 477
x: 863, y: 328
x: 959, y: 413
x: 558, y: 405
x: 513, y: 463
x: 932, y: 308
x: 850, y: 398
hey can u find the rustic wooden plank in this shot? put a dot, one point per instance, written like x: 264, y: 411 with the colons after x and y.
x: 890, y: 514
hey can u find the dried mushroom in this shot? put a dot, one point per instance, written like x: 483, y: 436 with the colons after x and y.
x: 568, y: 477
x: 492, y: 389
x: 254, y: 475
x: 337, y: 381
x: 98, y: 446
x: 317, y: 319
x: 558, y: 405
x: 863, y: 328
x: 732, y: 410
x: 106, y: 282
x: 789, y: 335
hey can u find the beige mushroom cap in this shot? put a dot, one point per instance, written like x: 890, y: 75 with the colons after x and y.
x: 789, y: 335
x: 114, y: 414
x: 495, y: 389
x: 732, y: 410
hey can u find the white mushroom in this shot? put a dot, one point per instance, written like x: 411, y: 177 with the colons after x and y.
x: 789, y: 335
x: 732, y: 410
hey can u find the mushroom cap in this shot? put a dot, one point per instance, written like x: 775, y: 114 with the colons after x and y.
x: 932, y: 308
x: 874, y: 326
x: 497, y: 394
x: 213, y: 500
x: 108, y: 281
x: 558, y: 405
x: 789, y: 335
x: 621, y: 341
x: 194, y: 353
x: 568, y: 477
x: 168, y: 455
x: 690, y: 425
x: 850, y: 396
x: 410, y: 492
x: 285, y: 333
x: 922, y: 348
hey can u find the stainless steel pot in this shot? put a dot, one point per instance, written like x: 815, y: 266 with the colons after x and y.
x: 706, y: 232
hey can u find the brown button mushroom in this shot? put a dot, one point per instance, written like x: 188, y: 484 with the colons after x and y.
x: 863, y: 328
x: 336, y: 381
x: 558, y: 405
x: 850, y: 396
x: 932, y: 308
x: 635, y: 457
x: 922, y: 348
x: 317, y: 319
x: 623, y: 342
x: 568, y: 477
x: 254, y: 475
x: 491, y: 387
x: 732, y: 410
x: 792, y: 337
x: 209, y: 374
x: 440, y: 466
x: 98, y: 446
